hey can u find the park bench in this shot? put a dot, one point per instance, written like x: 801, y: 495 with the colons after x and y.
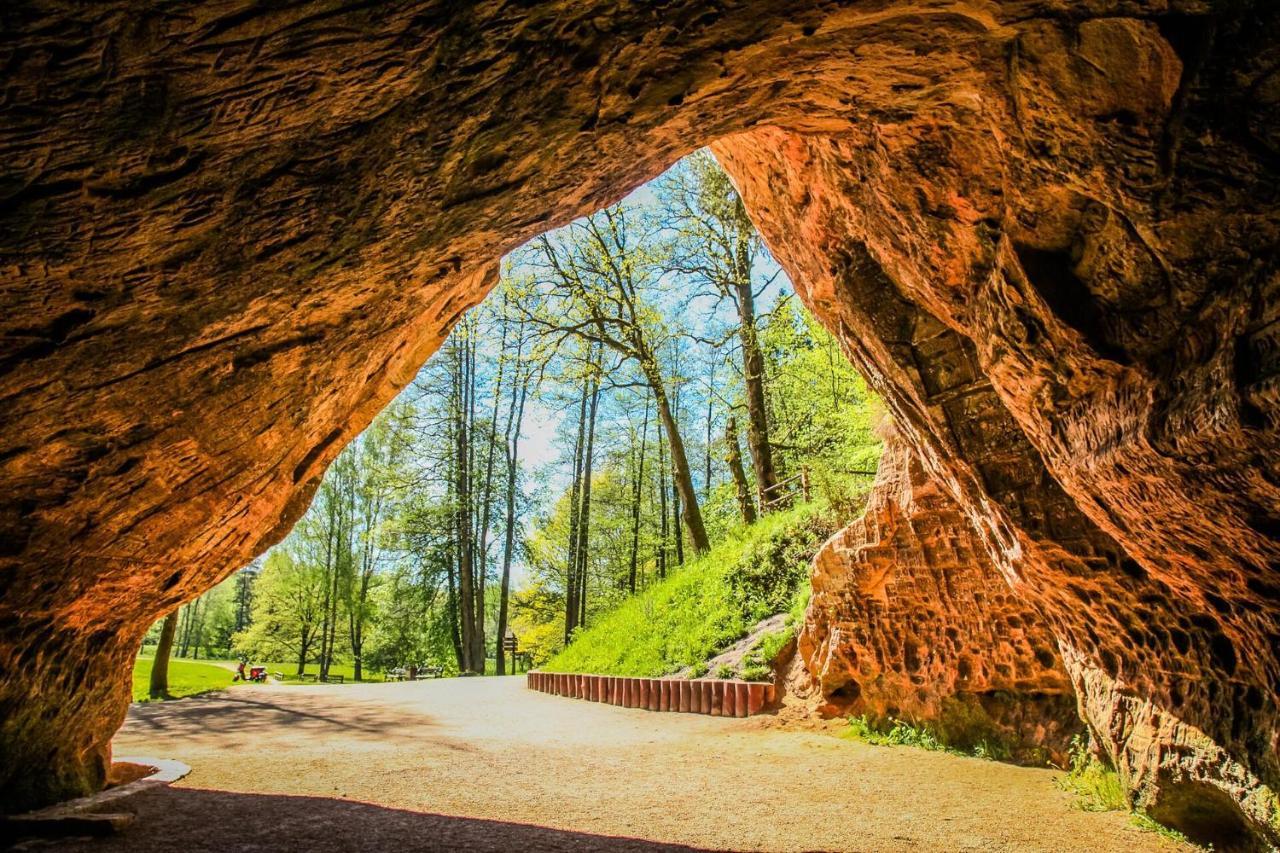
x: 278, y: 676
x: 333, y: 679
x: 431, y: 672
x: 310, y: 676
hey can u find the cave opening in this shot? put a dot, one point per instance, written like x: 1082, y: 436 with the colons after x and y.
x: 217, y: 273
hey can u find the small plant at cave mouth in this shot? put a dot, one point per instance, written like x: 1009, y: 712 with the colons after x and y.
x: 1097, y: 787
x: 901, y: 733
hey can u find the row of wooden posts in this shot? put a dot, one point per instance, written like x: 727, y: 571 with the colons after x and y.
x: 717, y: 697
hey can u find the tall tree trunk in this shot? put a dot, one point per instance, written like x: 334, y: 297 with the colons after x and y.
x: 462, y: 511
x: 575, y: 496
x: 356, y: 616
x: 304, y: 645
x: 184, y: 629
x: 753, y: 376
x: 160, y: 666
x: 193, y: 616
x: 452, y: 605
x: 706, y: 482
x: 584, y: 515
x: 243, y: 599
x: 330, y: 563
x: 475, y: 543
x: 734, y: 457
x: 486, y: 502
x: 662, y: 505
x: 680, y: 467
x: 513, y: 462
x: 636, y: 493
x: 332, y: 618
x: 197, y: 641
x: 677, y: 534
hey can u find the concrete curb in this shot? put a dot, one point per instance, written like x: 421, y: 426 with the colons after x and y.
x: 84, y: 816
x: 714, y: 696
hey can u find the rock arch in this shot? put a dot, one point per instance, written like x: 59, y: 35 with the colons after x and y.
x: 230, y: 234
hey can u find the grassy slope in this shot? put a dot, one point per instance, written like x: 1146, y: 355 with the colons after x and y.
x: 705, y: 605
x: 186, y: 678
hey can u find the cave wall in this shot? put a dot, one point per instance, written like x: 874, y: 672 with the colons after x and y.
x: 1078, y: 361
x: 910, y: 620
x: 230, y: 233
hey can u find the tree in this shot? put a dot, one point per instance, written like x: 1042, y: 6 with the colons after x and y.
x: 524, y: 378
x: 598, y: 276
x: 734, y: 459
x: 160, y: 665
x: 288, y: 610
x: 716, y: 244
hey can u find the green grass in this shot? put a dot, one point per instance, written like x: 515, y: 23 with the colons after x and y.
x: 900, y: 733
x: 895, y: 732
x: 290, y: 670
x: 186, y: 678
x: 1098, y: 788
x: 706, y: 605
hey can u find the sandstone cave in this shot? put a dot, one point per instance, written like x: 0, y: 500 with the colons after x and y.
x: 1045, y: 232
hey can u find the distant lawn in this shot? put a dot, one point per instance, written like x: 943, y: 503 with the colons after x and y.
x: 186, y: 678
x: 290, y: 670
x: 348, y: 670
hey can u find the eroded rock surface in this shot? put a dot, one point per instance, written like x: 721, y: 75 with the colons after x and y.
x: 1026, y: 271
x: 1046, y: 232
x: 910, y: 619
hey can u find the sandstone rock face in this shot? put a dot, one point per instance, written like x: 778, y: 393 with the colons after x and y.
x: 229, y: 234
x: 910, y: 619
x: 1030, y: 280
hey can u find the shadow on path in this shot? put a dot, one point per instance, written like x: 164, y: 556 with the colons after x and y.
x: 245, y: 713
x: 199, y: 821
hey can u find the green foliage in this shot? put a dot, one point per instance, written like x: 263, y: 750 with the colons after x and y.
x: 758, y: 663
x: 771, y: 568
x: 1097, y: 788
x: 771, y: 645
x: 820, y: 408
x: 287, y: 603
x: 897, y: 733
x: 186, y: 678
x: 1148, y: 824
x: 751, y: 671
x: 799, y: 603
x: 706, y: 605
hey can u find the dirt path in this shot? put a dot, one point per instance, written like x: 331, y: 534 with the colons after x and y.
x: 483, y: 764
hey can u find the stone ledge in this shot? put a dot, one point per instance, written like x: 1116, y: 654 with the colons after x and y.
x: 85, y: 816
x: 714, y: 696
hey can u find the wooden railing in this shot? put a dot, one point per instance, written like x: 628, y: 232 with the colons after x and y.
x: 717, y: 697
x: 784, y: 492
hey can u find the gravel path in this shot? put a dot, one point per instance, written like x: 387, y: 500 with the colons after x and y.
x: 484, y: 764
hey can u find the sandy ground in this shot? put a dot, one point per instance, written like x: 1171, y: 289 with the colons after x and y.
x: 484, y: 764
